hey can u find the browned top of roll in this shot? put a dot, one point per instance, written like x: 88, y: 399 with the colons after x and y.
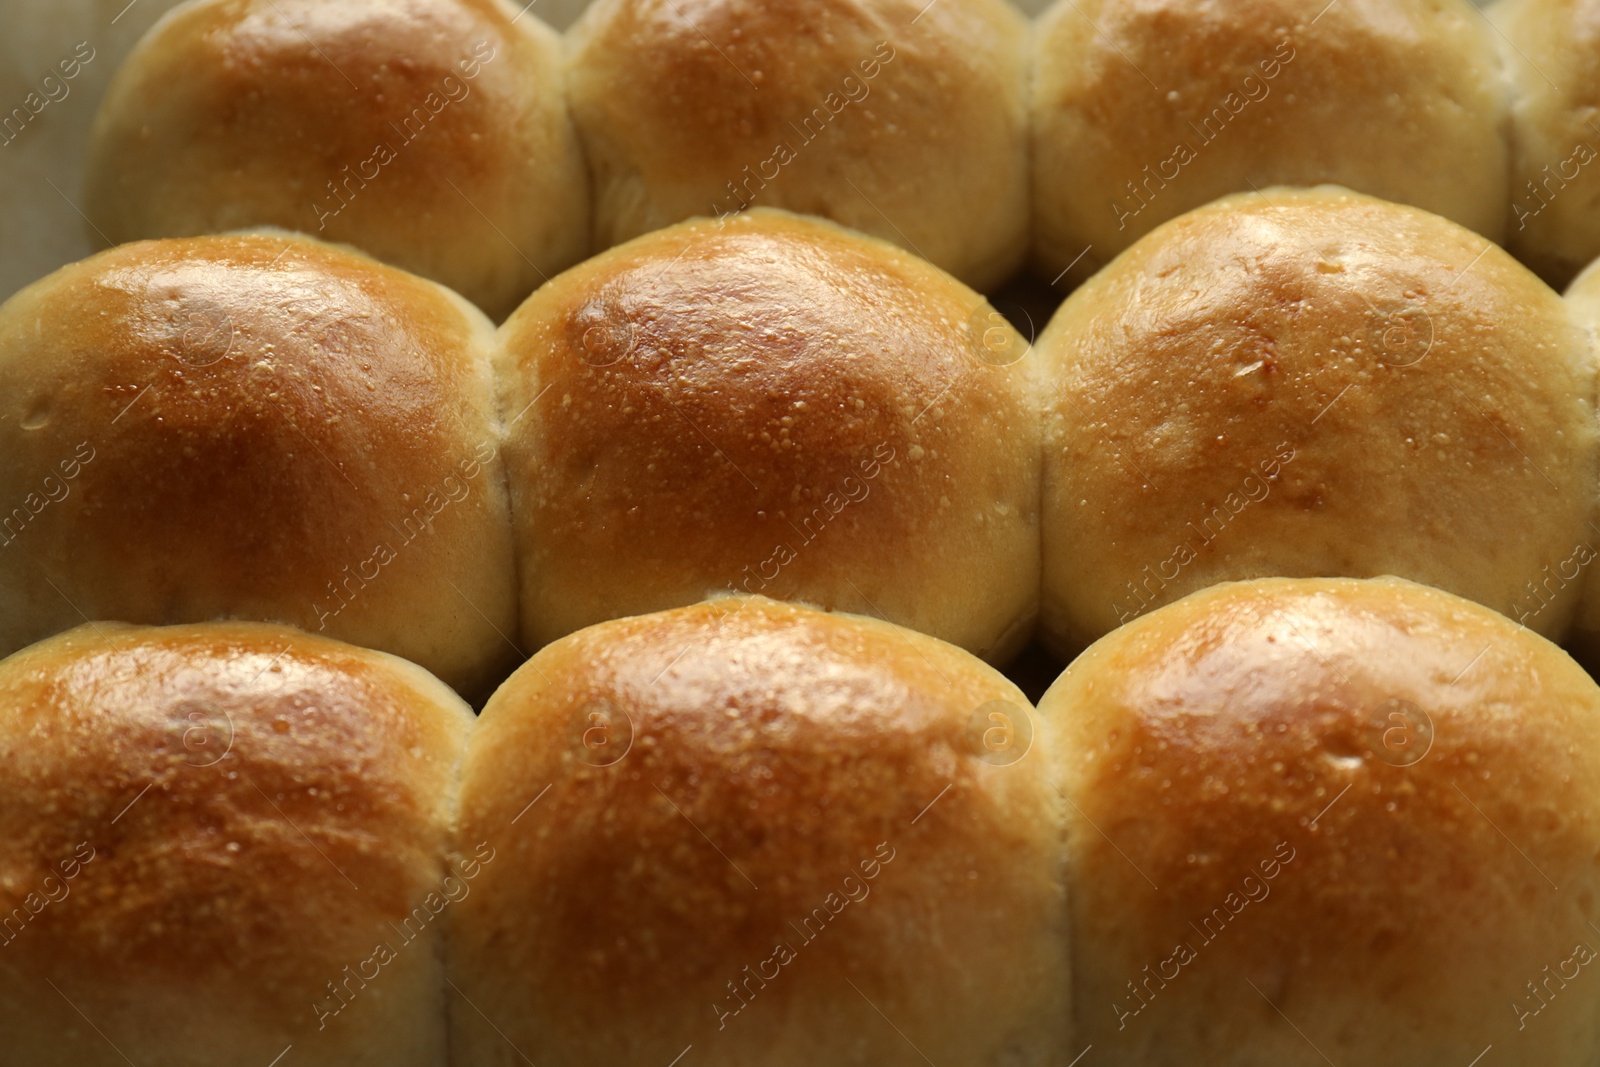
x: 680, y: 405
x: 236, y: 422
x: 693, y: 756
x: 1393, y: 393
x: 250, y: 805
x: 1403, y: 781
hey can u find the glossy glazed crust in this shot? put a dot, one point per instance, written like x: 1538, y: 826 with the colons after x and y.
x: 431, y: 133
x: 909, y: 126
x: 255, y: 426
x: 669, y: 793
x: 1374, y: 801
x: 202, y: 826
x: 1551, y: 53
x: 1401, y: 99
x: 771, y: 405
x: 1309, y: 383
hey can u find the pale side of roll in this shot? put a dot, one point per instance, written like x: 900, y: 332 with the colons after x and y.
x: 1144, y: 111
x: 1551, y: 53
x: 904, y: 119
x: 1577, y: 569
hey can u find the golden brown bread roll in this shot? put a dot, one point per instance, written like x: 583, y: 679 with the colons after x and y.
x: 771, y: 405
x: 1144, y: 111
x: 775, y: 835
x: 431, y: 133
x: 1313, y: 382
x: 1331, y: 821
x: 903, y: 119
x: 219, y: 841
x: 1551, y: 53
x: 255, y: 426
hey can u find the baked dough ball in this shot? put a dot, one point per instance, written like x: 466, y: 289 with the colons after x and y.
x: 1321, y: 821
x: 255, y: 426
x: 218, y: 841
x: 431, y: 133
x: 903, y: 119
x: 1312, y: 382
x: 776, y: 835
x: 1551, y: 53
x: 772, y: 405
x: 1144, y: 111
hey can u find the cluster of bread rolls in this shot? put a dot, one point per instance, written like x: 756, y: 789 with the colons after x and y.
x: 264, y: 426
x: 729, y: 528
x: 466, y: 141
x: 1274, y: 822
x: 1294, y: 382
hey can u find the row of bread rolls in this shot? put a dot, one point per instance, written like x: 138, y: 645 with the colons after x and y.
x: 263, y: 426
x: 1287, y: 382
x: 450, y: 136
x: 1286, y: 822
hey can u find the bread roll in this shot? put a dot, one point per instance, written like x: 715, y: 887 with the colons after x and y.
x: 255, y: 426
x: 1551, y: 52
x: 775, y: 835
x: 220, y: 841
x: 1144, y: 111
x: 900, y: 118
x: 431, y: 133
x: 774, y: 405
x: 1331, y: 821
x: 1313, y: 382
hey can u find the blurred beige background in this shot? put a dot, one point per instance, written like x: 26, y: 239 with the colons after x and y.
x: 41, y: 171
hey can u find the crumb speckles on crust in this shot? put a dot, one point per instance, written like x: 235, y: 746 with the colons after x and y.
x: 228, y: 787
x: 763, y: 405
x: 778, y: 755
